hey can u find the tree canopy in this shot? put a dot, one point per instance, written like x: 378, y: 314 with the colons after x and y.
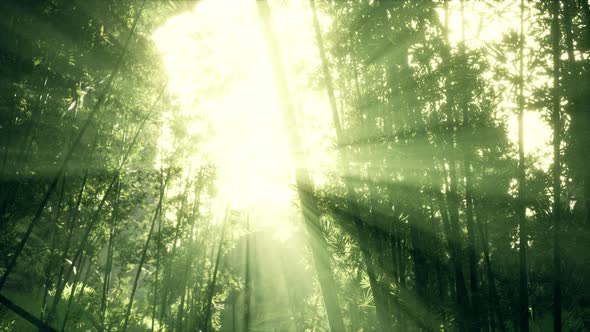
x: 294, y: 165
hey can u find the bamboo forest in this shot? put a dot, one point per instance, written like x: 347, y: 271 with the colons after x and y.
x: 295, y: 165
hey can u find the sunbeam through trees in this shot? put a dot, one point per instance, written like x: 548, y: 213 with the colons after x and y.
x: 294, y: 165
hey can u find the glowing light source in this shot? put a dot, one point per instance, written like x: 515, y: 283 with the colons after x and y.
x: 218, y: 69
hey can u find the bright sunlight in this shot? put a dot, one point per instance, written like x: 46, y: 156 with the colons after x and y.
x: 248, y: 141
x: 294, y: 165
